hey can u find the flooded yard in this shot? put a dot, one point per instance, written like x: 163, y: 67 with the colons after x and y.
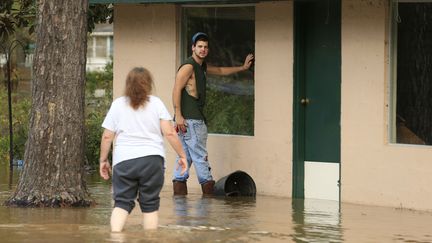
x: 197, y: 219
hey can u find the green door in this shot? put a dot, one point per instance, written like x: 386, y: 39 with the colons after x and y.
x: 317, y: 65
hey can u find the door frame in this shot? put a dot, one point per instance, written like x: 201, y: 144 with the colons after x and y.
x: 298, y: 174
x: 298, y: 126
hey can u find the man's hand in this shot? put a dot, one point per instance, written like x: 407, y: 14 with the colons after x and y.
x: 248, y: 61
x: 180, y: 124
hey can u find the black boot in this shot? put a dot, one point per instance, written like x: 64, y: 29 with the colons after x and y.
x: 208, y: 188
x: 180, y: 188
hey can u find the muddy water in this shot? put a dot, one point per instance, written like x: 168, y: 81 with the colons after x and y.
x: 197, y: 219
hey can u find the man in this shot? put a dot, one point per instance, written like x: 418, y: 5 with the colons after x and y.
x: 189, y: 96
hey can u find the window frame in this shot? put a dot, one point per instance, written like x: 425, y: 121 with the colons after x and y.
x: 393, y: 21
x: 184, y: 46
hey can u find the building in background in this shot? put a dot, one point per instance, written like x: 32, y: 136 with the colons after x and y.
x: 99, y: 53
x: 100, y: 47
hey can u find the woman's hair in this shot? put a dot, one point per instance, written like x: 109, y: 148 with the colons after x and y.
x: 139, y: 83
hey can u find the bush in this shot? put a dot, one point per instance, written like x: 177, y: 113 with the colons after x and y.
x: 95, y: 110
x: 93, y: 135
x: 20, y: 118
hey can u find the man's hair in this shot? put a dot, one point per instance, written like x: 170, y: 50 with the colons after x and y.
x: 139, y: 84
x: 199, y: 36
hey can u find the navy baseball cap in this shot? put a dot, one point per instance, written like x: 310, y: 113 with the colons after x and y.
x: 199, y: 35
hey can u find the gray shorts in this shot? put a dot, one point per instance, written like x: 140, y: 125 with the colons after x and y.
x: 141, y: 177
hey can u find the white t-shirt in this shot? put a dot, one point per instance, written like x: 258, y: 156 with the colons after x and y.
x: 138, y: 132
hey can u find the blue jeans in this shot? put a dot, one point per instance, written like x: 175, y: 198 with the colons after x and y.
x: 194, y: 142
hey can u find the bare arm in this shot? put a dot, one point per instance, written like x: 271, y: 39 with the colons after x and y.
x: 182, y: 77
x: 231, y: 70
x: 105, y: 147
x: 171, y: 135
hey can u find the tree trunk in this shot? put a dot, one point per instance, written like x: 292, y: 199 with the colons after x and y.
x: 54, y: 156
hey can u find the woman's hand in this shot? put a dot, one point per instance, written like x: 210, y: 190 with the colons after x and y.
x: 183, y: 163
x: 105, y: 169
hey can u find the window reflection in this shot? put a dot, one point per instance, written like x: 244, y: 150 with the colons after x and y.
x: 412, y: 43
x: 231, y: 30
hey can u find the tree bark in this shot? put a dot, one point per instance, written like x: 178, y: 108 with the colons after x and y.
x: 53, y: 174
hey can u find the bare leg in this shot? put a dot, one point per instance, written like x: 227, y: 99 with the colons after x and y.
x: 150, y: 220
x: 118, y: 219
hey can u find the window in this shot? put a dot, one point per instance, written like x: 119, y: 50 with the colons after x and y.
x: 231, y: 30
x: 110, y: 46
x: 99, y: 47
x: 411, y: 76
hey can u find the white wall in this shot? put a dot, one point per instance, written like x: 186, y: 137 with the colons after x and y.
x: 373, y: 170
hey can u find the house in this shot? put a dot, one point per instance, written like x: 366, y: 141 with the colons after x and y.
x: 340, y: 97
x: 99, y: 47
x: 99, y: 53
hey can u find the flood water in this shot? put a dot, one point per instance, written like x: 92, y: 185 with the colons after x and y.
x: 197, y: 219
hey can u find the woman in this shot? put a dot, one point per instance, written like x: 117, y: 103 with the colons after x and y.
x: 137, y: 120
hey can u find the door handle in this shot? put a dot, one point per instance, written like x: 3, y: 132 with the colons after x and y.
x: 304, y: 101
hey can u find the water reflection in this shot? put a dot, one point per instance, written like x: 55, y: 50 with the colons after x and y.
x: 205, y: 212
x: 191, y: 212
x: 316, y: 220
x: 8, y: 178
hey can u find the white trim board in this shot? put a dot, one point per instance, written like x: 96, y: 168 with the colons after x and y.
x: 321, y: 180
